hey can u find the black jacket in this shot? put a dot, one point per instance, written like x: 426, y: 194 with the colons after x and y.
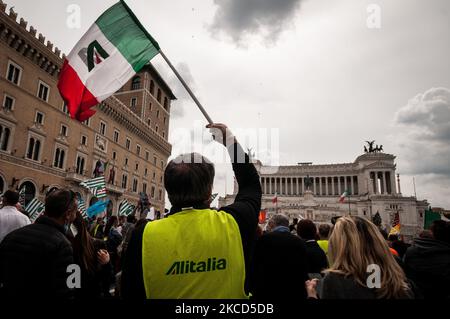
x: 336, y: 286
x: 94, y: 285
x: 245, y: 211
x: 427, y: 264
x: 34, y: 260
x: 316, y: 257
x: 279, y: 267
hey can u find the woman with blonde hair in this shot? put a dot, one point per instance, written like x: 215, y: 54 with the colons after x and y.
x: 356, y: 250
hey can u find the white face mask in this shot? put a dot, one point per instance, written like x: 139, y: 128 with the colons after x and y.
x: 74, y: 230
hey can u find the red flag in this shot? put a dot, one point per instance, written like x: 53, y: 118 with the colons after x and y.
x: 275, y: 199
x: 262, y: 217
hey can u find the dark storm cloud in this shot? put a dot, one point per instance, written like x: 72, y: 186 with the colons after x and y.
x: 237, y: 18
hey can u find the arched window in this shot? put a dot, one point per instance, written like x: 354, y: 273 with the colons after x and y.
x: 144, y: 188
x: 152, y: 87
x: 135, y: 185
x: 124, y: 181
x: 30, y: 191
x: 136, y: 83
x: 159, y: 96
x: 56, y: 161
x: 30, y: 148
x: 2, y: 185
x: 51, y: 190
x: 37, y: 147
x: 61, y: 159
x: 4, y: 138
x: 166, y: 102
x: 80, y: 165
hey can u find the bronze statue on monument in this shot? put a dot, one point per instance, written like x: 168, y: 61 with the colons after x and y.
x: 372, y: 149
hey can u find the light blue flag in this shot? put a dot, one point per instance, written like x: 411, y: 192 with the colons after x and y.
x: 98, y: 208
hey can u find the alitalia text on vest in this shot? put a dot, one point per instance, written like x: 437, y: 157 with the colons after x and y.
x: 188, y: 266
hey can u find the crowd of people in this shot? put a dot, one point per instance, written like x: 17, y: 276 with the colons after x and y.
x: 199, y: 252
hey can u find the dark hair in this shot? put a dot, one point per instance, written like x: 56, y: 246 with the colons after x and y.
x: 306, y: 229
x: 259, y: 231
x: 141, y: 222
x: 10, y: 197
x: 334, y: 219
x: 83, y: 246
x: 400, y: 247
x: 111, y: 221
x: 188, y: 180
x: 441, y: 230
x: 426, y: 233
x: 58, y: 202
x: 384, y: 234
x: 393, y: 237
x: 131, y: 219
x: 324, y: 231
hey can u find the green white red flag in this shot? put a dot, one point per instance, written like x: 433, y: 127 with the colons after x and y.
x: 275, y: 199
x: 343, y: 196
x: 114, y: 49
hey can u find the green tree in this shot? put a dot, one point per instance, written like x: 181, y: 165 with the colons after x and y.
x: 376, y: 219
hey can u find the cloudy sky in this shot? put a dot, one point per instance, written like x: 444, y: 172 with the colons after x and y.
x: 311, y: 70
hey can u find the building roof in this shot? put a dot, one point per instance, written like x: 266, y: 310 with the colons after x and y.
x: 150, y: 68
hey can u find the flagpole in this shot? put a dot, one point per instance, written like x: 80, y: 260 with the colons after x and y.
x: 210, y: 121
x: 349, y: 211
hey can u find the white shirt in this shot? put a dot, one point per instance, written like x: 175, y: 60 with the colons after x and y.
x: 151, y: 213
x: 11, y: 219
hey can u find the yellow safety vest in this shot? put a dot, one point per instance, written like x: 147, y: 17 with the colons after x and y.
x: 324, y: 245
x: 193, y: 254
x: 95, y: 229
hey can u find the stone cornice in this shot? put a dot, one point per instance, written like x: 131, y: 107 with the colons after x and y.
x: 375, y: 157
x: 380, y: 164
x: 17, y: 36
x: 119, y: 112
x: 7, y: 115
x: 312, y: 170
x: 30, y: 164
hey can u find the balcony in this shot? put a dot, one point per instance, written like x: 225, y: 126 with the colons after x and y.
x: 115, y: 189
x: 74, y: 177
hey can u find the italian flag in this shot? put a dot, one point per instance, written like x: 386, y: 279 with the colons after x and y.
x: 275, y: 199
x: 343, y: 196
x: 114, y: 49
